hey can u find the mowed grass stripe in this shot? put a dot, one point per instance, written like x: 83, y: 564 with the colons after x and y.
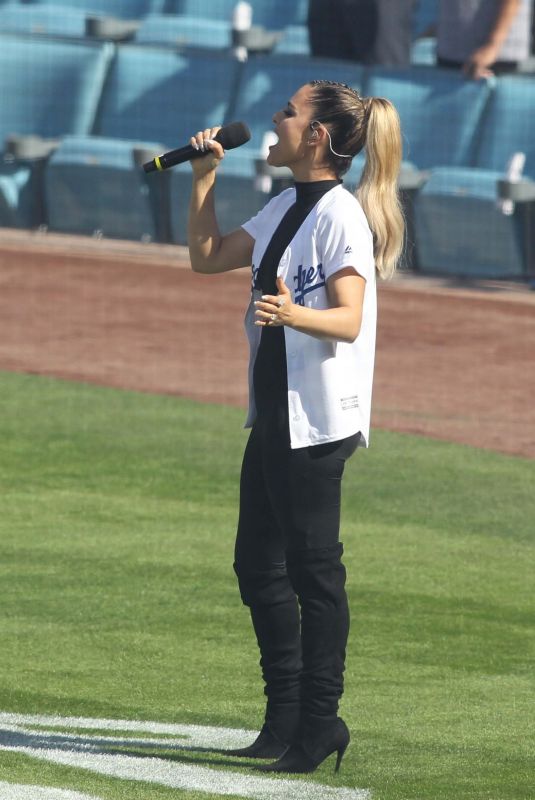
x: 118, y: 513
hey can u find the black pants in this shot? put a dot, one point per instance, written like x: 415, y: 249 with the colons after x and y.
x: 287, y: 551
x: 366, y: 31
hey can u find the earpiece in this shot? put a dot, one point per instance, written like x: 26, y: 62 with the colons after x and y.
x: 314, y: 134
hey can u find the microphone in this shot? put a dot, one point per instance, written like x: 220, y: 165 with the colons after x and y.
x: 233, y: 135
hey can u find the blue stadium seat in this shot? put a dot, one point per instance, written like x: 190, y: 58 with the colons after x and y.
x: 151, y: 95
x: 95, y: 185
x: 266, y: 85
x: 294, y: 41
x: 49, y: 88
x: 460, y: 229
x: 509, y: 124
x: 278, y: 14
x: 180, y: 32
x: 461, y: 226
x: 156, y: 94
x: 440, y: 112
x: 271, y: 14
x: 43, y: 19
x: 202, y: 9
x: 123, y: 9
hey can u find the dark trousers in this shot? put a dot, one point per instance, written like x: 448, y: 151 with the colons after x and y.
x: 366, y: 31
x: 290, y: 574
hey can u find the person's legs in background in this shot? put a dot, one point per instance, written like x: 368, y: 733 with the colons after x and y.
x: 393, y: 39
x: 343, y: 29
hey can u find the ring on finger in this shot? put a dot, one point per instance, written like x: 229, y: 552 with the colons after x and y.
x: 273, y: 317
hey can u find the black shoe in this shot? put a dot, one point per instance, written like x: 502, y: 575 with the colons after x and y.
x: 312, y: 749
x: 266, y: 745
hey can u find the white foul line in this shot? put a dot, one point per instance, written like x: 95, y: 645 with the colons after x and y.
x: 88, y: 752
x: 21, y: 791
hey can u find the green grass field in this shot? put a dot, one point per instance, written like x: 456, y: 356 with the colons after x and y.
x: 117, y: 519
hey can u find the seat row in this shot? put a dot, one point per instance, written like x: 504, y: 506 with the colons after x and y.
x: 183, y: 24
x: 174, y: 30
x: 271, y: 14
x: 102, y: 109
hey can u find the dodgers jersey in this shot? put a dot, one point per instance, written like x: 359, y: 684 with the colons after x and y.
x: 329, y: 382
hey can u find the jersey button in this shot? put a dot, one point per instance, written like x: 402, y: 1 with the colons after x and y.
x: 297, y: 417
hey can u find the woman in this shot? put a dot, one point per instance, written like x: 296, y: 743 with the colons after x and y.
x: 311, y: 328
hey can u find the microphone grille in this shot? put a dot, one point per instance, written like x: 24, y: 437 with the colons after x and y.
x: 233, y: 135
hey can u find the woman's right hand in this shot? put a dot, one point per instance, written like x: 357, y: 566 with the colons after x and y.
x: 205, y: 141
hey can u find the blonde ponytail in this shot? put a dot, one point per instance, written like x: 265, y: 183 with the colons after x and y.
x: 377, y: 191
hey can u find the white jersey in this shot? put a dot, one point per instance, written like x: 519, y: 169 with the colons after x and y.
x: 329, y: 383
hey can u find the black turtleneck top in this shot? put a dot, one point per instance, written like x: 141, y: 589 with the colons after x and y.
x: 270, y: 380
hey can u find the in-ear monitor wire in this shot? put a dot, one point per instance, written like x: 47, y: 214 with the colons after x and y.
x: 333, y: 151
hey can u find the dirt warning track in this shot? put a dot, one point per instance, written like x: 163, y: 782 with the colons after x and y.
x: 453, y: 362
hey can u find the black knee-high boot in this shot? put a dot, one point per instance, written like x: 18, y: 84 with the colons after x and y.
x: 276, y: 621
x: 318, y: 577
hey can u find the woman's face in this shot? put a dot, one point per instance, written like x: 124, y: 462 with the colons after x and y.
x: 292, y: 126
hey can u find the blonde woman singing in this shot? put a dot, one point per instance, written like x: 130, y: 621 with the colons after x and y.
x: 315, y: 250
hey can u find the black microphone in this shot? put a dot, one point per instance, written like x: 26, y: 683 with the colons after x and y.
x: 233, y: 135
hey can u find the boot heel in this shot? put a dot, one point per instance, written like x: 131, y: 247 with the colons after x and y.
x: 339, y: 757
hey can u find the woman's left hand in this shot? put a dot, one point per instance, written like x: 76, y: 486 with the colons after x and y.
x: 274, y: 311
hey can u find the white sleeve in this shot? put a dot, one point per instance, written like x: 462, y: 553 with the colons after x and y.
x: 346, y: 241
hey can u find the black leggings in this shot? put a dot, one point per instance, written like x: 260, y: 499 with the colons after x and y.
x: 287, y: 548
x: 289, y: 499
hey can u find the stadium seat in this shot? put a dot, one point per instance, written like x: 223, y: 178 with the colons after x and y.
x: 180, y: 32
x: 202, y: 9
x: 123, y: 9
x: 266, y: 85
x: 96, y: 186
x: 49, y: 88
x: 271, y: 14
x: 156, y: 94
x: 460, y: 229
x: 462, y: 225
x: 294, y: 41
x: 278, y: 14
x: 440, y: 112
x: 152, y: 95
x: 43, y: 19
